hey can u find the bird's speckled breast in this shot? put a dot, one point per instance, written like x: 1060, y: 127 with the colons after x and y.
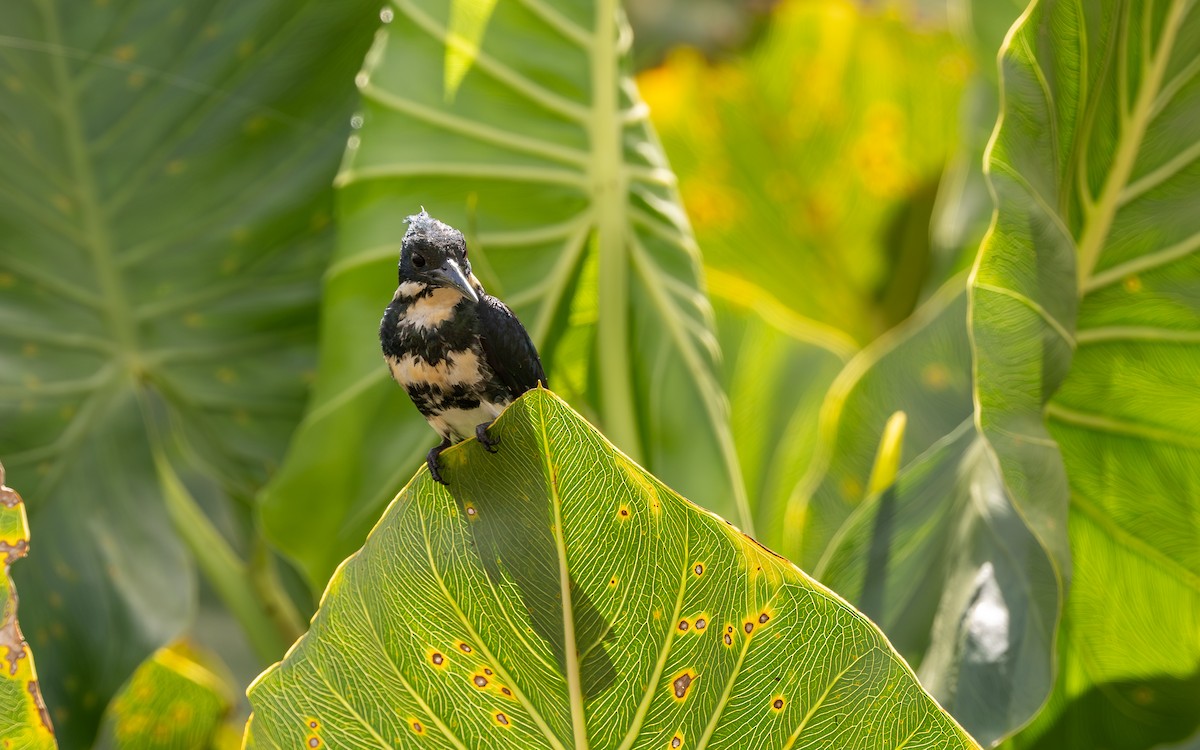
x: 433, y: 350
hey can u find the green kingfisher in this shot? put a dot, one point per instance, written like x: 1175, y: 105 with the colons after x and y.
x: 460, y: 353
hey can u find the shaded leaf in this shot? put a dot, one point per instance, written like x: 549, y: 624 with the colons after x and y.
x: 24, y: 721
x: 1085, y: 314
x: 557, y: 595
x: 545, y: 159
x: 164, y: 208
x: 939, y: 559
x: 812, y: 157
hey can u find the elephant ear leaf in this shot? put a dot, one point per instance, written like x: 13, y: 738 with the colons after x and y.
x: 165, y: 209
x: 542, y: 153
x: 1086, y: 320
x: 557, y: 595
x: 24, y: 721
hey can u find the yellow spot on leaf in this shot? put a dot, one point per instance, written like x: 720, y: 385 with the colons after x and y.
x: 125, y: 52
x: 226, y: 375
x: 255, y: 125
x: 935, y: 376
x: 175, y: 166
x: 1132, y: 284
x: 7, y: 281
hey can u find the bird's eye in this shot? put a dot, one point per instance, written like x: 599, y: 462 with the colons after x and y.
x: 419, y: 261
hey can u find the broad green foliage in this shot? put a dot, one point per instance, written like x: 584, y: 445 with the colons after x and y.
x: 1086, y: 316
x: 542, y: 154
x: 557, y: 595
x: 815, y: 155
x: 164, y: 215
x: 939, y: 559
x: 24, y: 722
x: 776, y: 367
x: 171, y: 702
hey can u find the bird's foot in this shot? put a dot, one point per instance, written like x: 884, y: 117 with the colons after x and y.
x: 431, y: 460
x: 488, y: 442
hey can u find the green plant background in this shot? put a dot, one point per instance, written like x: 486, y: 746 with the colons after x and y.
x: 739, y: 264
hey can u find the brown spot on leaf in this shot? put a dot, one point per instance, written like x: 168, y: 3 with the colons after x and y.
x: 36, y: 693
x: 701, y: 623
x: 501, y: 719
x: 681, y: 684
x: 480, y: 681
x: 683, y: 624
x: 764, y: 617
x: 778, y: 704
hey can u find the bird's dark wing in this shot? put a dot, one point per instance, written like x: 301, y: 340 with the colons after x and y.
x: 507, y: 347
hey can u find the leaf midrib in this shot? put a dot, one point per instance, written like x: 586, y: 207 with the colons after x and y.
x: 1133, y: 127
x: 97, y: 238
x: 570, y: 644
x: 610, y: 196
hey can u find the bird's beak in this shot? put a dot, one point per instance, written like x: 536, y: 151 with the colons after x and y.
x: 451, y: 275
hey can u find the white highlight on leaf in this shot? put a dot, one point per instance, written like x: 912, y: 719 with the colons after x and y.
x: 986, y: 620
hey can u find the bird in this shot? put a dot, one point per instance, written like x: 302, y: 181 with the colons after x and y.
x: 460, y: 354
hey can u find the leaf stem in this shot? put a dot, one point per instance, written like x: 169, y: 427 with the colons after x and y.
x: 274, y: 600
x: 220, y: 566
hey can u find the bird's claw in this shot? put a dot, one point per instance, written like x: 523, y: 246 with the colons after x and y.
x: 488, y: 442
x: 431, y: 460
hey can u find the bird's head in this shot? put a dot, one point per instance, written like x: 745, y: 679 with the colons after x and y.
x: 436, y: 254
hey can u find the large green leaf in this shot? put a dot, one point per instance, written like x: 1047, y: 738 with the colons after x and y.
x: 164, y: 212
x: 776, y: 368
x: 937, y: 557
x: 24, y: 722
x: 557, y: 595
x: 817, y: 192
x: 1086, y: 316
x: 543, y: 155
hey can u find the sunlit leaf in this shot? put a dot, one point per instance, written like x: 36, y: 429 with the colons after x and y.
x: 1086, y: 316
x: 802, y: 162
x: 557, y: 595
x: 545, y: 159
x: 172, y: 701
x: 24, y: 722
x: 164, y: 219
